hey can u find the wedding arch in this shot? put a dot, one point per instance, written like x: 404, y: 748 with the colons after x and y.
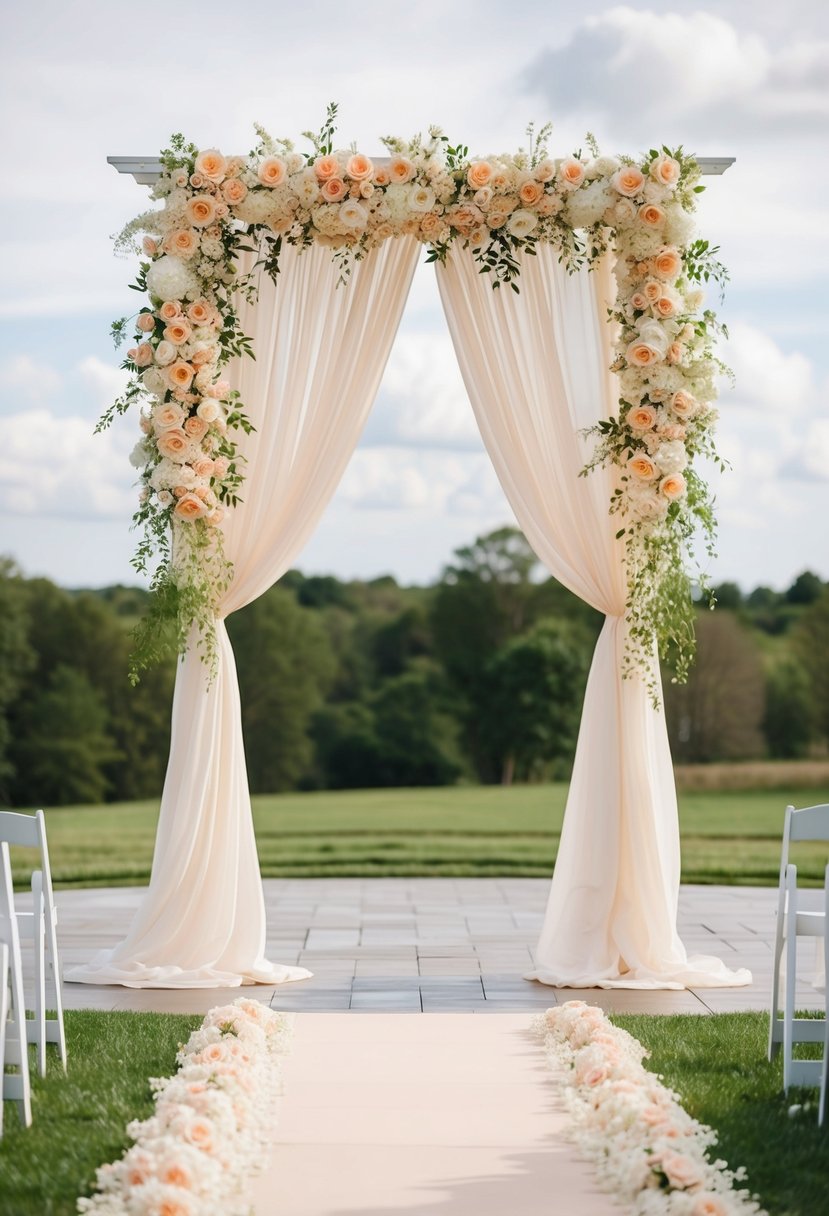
x: 573, y: 292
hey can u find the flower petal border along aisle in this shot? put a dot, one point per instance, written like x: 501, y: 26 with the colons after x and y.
x: 498, y: 208
x: 212, y: 1124
x: 645, y: 1147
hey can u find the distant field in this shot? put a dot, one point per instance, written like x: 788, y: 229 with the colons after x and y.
x: 727, y: 837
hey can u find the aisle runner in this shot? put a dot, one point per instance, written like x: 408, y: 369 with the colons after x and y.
x: 446, y: 1114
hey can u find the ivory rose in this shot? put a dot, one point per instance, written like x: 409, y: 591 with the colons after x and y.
x: 642, y: 467
x: 167, y: 416
x: 672, y: 486
x: 359, y: 167
x: 165, y: 353
x: 652, y: 290
x: 479, y: 173
x: 665, y: 170
x: 421, y: 198
x: 190, y: 506
x: 352, y: 213
x: 521, y: 223
x: 201, y: 210
x: 272, y: 171
x: 628, y: 180
x: 208, y: 411
x: 211, y: 164
x: 638, y: 301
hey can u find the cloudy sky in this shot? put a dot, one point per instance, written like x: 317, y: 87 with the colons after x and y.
x: 94, y: 78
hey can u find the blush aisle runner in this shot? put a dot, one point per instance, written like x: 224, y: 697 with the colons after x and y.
x: 451, y: 1114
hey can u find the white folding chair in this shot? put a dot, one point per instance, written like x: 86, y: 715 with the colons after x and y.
x: 824, y: 1075
x: 793, y: 921
x: 16, y: 1087
x: 40, y: 928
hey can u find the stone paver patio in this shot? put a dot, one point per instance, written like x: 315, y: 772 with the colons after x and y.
x: 431, y: 945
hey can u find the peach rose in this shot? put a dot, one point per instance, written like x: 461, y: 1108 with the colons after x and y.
x: 220, y: 466
x: 640, y: 354
x: 196, y: 428
x: 478, y: 236
x: 665, y: 306
x: 211, y: 164
x: 479, y: 174
x: 190, y: 506
x: 141, y: 355
x: 544, y: 171
x: 401, y: 169
x: 173, y: 443
x: 675, y: 352
x: 198, y: 181
x: 642, y: 418
x: 219, y: 390
x: 432, y: 225
x: 665, y: 170
x: 183, y: 243
x: 571, y: 173
x: 168, y: 416
x: 672, y: 486
x: 203, y: 467
x: 681, y: 1171
x: 359, y: 167
x: 683, y: 404
x: 326, y: 167
x: 234, y: 190
x: 205, y: 354
x: 145, y: 322
x: 200, y: 312
x: 642, y: 467
x: 180, y: 374
x: 149, y: 246
x: 201, y: 210
x: 530, y: 193
x: 639, y: 301
x: 464, y: 218
x: 651, y: 215
x: 652, y: 290
x: 272, y: 171
x: 170, y: 309
x: 382, y: 177
x: 708, y: 1204
x: 667, y: 263
x: 628, y: 180
x: 333, y: 189
x: 177, y: 1175
x: 234, y: 166
x: 178, y: 332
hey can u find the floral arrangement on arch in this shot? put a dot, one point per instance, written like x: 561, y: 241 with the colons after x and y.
x: 647, y: 1150
x: 211, y: 1125
x: 498, y: 208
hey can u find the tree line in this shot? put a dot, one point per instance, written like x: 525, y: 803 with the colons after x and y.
x: 477, y: 678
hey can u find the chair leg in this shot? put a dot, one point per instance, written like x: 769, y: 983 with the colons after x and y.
x: 774, y: 1027
x: 40, y: 978
x: 791, y: 980
x: 54, y: 978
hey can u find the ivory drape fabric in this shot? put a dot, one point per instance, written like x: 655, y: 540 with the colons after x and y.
x: 535, y: 367
x: 320, y: 355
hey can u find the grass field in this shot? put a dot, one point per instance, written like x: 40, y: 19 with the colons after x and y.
x: 727, y: 837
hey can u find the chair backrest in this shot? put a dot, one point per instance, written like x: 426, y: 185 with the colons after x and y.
x: 810, y: 823
x: 29, y: 831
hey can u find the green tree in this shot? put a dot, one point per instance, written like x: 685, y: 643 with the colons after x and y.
x: 529, y: 719
x: 788, y: 721
x: 66, y: 748
x: 16, y: 659
x: 811, y: 642
x: 805, y: 589
x: 285, y: 665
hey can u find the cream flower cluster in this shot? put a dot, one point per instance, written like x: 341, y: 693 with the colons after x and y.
x: 646, y: 1148
x: 211, y: 1125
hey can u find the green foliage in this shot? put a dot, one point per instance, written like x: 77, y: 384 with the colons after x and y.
x: 79, y: 1119
x: 16, y: 659
x: 811, y: 641
x: 788, y: 721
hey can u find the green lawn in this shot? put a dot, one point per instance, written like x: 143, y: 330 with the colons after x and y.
x: 728, y: 837
x: 716, y: 1063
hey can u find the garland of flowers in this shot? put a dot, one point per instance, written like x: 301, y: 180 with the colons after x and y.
x: 499, y: 208
x: 212, y: 1122
x: 646, y: 1148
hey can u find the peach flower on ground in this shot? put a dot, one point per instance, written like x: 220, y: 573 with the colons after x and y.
x: 571, y: 173
x: 211, y: 164
x: 530, y: 193
x: 642, y: 418
x: 401, y: 169
x: 183, y: 243
x: 651, y: 215
x: 145, y: 322
x: 178, y: 332
x: 149, y: 246
x: 667, y: 263
x: 190, y: 506
x: 180, y: 374
x: 272, y: 171
x: 665, y: 170
x: 642, y: 467
x: 672, y: 486
x: 334, y: 189
x: 141, y: 355
x: 177, y: 1175
x: 326, y: 167
x: 359, y: 167
x: 628, y: 180
x: 173, y: 443
x: 479, y: 174
x: 234, y: 190
x: 681, y: 1171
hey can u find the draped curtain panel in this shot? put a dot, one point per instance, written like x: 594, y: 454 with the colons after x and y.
x: 535, y: 367
x: 320, y: 355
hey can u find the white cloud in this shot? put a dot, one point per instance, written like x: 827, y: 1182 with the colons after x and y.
x: 767, y: 377
x: 432, y: 483
x: 423, y: 402
x: 23, y: 377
